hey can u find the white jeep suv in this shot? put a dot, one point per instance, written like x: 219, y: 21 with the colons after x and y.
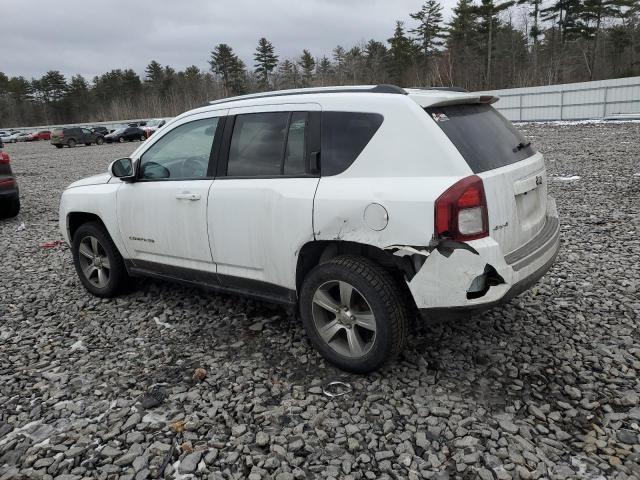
x: 359, y: 205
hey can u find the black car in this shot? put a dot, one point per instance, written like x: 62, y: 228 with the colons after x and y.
x: 100, y: 130
x: 9, y: 194
x: 128, y: 134
x: 72, y: 136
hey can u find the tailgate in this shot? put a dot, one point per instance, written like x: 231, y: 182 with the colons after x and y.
x: 512, y: 172
x: 517, y: 201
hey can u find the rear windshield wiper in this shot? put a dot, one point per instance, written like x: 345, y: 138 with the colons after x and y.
x: 520, y: 146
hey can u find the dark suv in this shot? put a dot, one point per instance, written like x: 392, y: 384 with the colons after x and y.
x: 9, y: 195
x: 75, y: 135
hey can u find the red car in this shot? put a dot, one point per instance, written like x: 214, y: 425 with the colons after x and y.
x: 41, y: 135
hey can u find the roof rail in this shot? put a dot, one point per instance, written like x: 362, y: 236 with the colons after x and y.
x: 382, y: 88
x: 446, y: 89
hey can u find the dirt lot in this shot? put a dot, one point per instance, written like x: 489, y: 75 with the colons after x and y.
x: 544, y: 387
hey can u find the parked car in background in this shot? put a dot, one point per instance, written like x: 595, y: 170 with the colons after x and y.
x: 41, y: 135
x: 358, y: 205
x: 100, y: 130
x: 9, y: 193
x: 23, y: 137
x: 9, y: 136
x: 75, y: 135
x: 127, y: 134
x: 153, y: 125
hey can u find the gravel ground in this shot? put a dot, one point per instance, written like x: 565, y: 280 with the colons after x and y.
x: 544, y: 387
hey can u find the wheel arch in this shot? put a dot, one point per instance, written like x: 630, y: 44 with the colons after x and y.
x: 315, y: 252
x: 76, y: 219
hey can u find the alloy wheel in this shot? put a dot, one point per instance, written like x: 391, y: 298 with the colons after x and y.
x: 94, y: 261
x: 343, y: 319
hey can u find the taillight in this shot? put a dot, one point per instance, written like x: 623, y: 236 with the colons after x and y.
x: 4, y: 158
x: 461, y: 211
x: 61, y: 135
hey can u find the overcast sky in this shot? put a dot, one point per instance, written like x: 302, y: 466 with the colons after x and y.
x: 90, y: 37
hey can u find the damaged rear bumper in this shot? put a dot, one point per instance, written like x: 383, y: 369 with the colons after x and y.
x: 480, y: 277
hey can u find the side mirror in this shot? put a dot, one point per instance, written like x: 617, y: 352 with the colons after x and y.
x: 122, y: 169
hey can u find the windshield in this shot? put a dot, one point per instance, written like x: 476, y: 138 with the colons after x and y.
x: 120, y: 130
x: 483, y: 137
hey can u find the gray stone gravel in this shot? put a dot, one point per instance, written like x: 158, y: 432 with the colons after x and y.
x: 544, y: 387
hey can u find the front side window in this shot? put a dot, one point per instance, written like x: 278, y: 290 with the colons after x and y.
x: 182, y: 153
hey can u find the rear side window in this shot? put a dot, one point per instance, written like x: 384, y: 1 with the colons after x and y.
x: 483, y: 137
x: 344, y: 136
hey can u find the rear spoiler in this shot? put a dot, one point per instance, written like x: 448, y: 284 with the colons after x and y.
x: 467, y: 99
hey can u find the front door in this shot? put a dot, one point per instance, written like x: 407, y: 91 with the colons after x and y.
x: 163, y: 215
x: 261, y: 204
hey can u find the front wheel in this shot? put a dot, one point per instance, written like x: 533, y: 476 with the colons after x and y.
x: 99, y: 141
x: 98, y: 263
x: 353, y: 311
x: 121, y: 139
x: 142, y: 138
x: 71, y: 143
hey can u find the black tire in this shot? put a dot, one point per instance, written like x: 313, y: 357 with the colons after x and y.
x: 121, y: 139
x: 118, y: 278
x: 10, y: 208
x: 99, y: 141
x: 142, y: 138
x: 382, y: 295
x: 58, y: 146
x: 71, y: 143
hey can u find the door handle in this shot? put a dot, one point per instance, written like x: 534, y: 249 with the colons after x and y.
x: 188, y: 196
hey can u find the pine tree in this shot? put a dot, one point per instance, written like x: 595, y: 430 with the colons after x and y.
x: 266, y: 62
x: 535, y: 31
x: 430, y: 31
x: 324, y: 70
x: 401, y: 50
x: 229, y: 68
x: 592, y: 16
x: 488, y: 12
x: 154, y: 74
x: 338, y: 60
x: 375, y: 54
x: 53, y: 85
x: 289, y: 74
x: 307, y: 65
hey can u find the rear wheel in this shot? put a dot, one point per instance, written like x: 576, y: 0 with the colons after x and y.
x: 99, y: 141
x: 71, y: 143
x: 10, y: 208
x: 353, y: 311
x: 142, y: 138
x: 98, y: 263
x: 121, y: 139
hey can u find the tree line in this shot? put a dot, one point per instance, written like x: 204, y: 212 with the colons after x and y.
x: 488, y: 44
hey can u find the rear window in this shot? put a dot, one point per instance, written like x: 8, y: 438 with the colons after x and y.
x: 344, y: 136
x: 483, y: 137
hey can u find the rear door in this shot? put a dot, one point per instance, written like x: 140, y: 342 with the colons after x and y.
x: 513, y: 173
x: 261, y: 203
